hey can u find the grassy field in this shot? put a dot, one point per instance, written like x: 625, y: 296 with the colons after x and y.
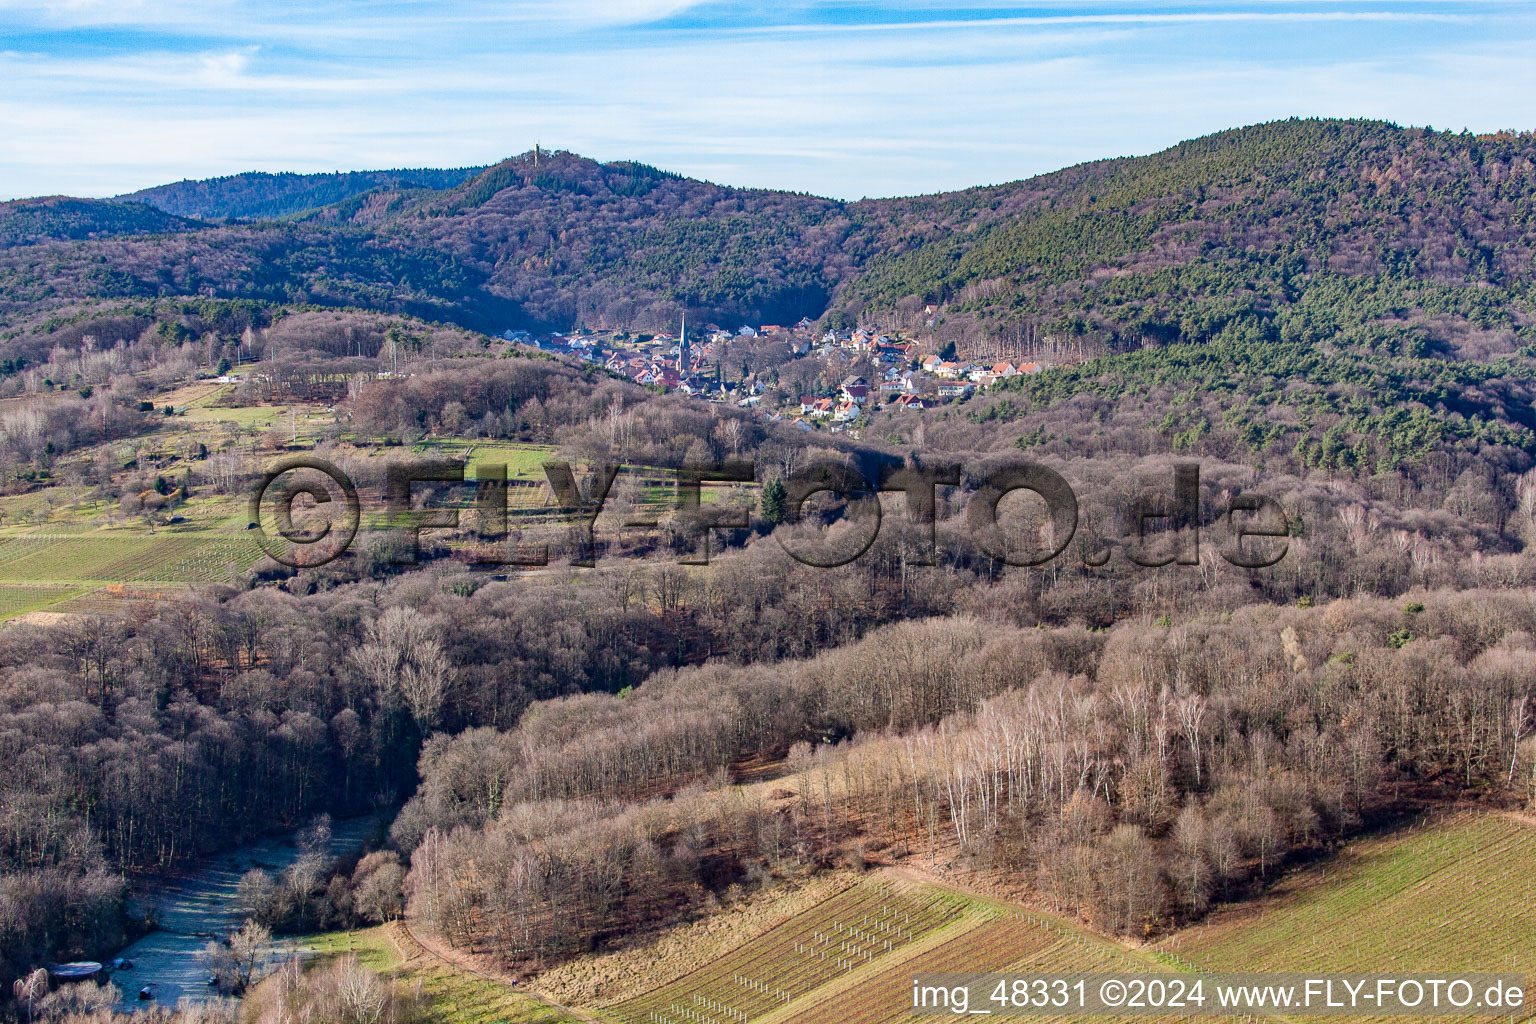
x: 851, y: 959
x: 78, y: 550
x: 304, y: 424
x: 199, y: 395
x: 523, y: 461
x: 994, y: 940
x: 862, y: 926
x: 652, y: 961
x: 1457, y: 894
x: 70, y: 546
x: 202, y: 404
x: 38, y: 506
x: 112, y: 557
x: 454, y: 996
x: 20, y: 599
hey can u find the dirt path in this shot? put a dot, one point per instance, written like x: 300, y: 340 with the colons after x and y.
x: 461, y: 961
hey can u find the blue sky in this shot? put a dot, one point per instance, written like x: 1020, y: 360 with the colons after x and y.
x: 846, y: 99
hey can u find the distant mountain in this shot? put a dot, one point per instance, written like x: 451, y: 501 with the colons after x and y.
x: 27, y: 221
x: 257, y: 194
x: 1346, y: 295
x: 573, y: 241
x: 1407, y: 238
x: 1389, y: 239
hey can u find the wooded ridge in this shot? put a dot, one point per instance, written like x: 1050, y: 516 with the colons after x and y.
x: 1398, y: 239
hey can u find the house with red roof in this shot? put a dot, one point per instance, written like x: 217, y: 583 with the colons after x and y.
x: 855, y: 390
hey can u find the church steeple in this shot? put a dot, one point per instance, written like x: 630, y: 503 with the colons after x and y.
x: 682, y: 346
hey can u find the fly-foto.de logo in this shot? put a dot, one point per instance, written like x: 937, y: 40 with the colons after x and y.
x: 1161, y: 526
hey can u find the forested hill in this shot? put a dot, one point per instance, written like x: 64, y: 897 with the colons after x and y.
x: 1429, y: 236
x: 59, y: 218
x: 1413, y: 240
x: 257, y: 194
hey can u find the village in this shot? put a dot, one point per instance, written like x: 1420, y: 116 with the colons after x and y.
x: 816, y: 378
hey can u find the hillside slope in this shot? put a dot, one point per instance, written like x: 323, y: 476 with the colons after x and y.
x: 1403, y: 239
x: 57, y: 218
x: 258, y: 194
x: 1219, y: 236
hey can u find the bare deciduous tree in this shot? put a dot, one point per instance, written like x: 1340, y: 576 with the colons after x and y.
x: 29, y: 989
x: 403, y: 656
x: 236, y: 962
x: 360, y: 995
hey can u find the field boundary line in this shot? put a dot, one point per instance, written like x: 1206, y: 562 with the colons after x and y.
x: 459, y: 962
x: 1141, y: 953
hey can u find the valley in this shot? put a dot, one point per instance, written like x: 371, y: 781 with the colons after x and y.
x: 628, y: 784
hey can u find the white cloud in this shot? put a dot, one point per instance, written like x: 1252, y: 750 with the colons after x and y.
x: 907, y: 109
x: 605, y: 12
x: 340, y: 18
